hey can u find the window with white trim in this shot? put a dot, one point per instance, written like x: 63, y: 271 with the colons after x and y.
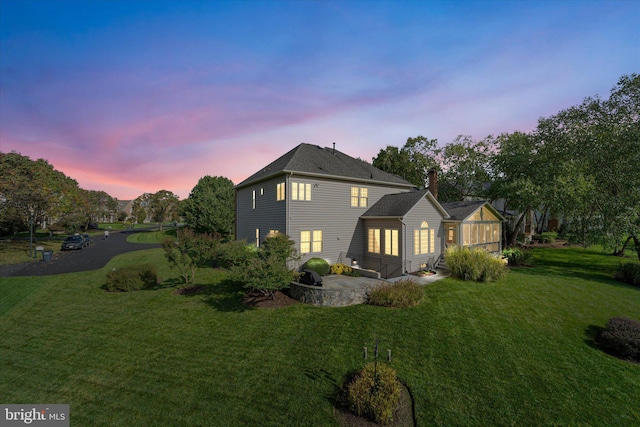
x: 359, y: 197
x: 424, y: 239
x: 253, y: 199
x: 300, y: 191
x: 373, y: 243
x: 310, y: 241
x: 280, y: 191
x: 391, y: 242
x: 257, y: 237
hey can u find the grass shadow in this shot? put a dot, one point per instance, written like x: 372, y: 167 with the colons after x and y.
x: 225, y: 296
x: 590, y: 335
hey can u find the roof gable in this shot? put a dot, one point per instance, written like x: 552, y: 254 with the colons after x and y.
x: 460, y: 211
x: 314, y: 160
x: 399, y: 204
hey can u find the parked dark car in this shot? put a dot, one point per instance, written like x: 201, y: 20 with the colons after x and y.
x: 72, y: 242
x: 87, y: 239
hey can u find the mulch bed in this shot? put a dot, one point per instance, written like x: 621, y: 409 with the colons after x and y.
x: 191, y: 290
x: 279, y: 299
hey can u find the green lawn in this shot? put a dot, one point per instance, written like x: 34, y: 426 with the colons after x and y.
x: 515, y: 352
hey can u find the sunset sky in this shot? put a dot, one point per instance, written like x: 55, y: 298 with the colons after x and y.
x: 137, y: 96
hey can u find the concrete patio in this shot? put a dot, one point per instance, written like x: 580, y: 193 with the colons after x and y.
x: 342, y: 291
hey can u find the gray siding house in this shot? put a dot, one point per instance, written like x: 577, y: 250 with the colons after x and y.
x: 343, y: 210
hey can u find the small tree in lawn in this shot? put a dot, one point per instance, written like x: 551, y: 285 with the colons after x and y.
x: 189, y: 252
x: 269, y: 271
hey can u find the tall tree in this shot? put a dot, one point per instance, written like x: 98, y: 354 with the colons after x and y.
x: 465, y: 165
x: 32, y: 190
x: 209, y: 207
x: 516, y: 179
x: 598, y: 142
x: 412, y: 162
x: 159, y: 207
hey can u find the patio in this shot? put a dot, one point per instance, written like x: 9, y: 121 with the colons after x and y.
x: 342, y: 291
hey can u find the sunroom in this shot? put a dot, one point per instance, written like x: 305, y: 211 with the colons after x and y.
x: 473, y: 224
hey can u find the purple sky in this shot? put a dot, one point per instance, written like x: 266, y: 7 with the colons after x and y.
x: 138, y: 96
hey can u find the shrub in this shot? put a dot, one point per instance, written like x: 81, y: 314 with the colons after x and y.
x: 267, y: 271
x: 546, y: 237
x: 403, y: 293
x: 318, y: 265
x: 629, y: 273
x: 234, y: 253
x: 474, y: 264
x: 517, y: 256
x: 374, y: 393
x: 620, y: 338
x: 189, y: 251
x: 340, y: 269
x: 132, y: 278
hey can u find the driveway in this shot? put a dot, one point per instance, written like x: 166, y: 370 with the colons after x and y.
x: 95, y: 256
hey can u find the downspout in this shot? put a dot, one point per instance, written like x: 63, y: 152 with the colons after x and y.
x: 287, y: 198
x: 403, y: 261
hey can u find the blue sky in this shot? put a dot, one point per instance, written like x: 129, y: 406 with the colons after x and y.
x: 137, y: 96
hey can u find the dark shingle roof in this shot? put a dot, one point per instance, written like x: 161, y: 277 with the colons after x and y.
x: 312, y: 159
x: 461, y: 210
x: 395, y: 205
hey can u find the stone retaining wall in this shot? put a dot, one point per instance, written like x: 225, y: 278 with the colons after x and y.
x: 317, y: 295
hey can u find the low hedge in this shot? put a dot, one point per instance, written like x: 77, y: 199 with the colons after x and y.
x: 474, y: 264
x: 132, y: 278
x: 546, y: 237
x: 621, y: 338
x: 518, y: 256
x: 400, y: 294
x: 629, y: 273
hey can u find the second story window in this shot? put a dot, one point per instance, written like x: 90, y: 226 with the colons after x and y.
x: 359, y: 197
x: 300, y: 191
x: 253, y: 199
x: 280, y: 191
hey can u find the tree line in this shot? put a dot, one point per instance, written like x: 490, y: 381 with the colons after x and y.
x: 33, y: 192
x: 581, y: 164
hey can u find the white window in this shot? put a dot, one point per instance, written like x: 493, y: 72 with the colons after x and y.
x: 300, y: 191
x: 280, y: 191
x: 373, y: 245
x: 486, y: 235
x: 359, y: 197
x: 253, y: 199
x: 310, y: 241
x: 257, y: 237
x: 391, y: 242
x: 424, y: 239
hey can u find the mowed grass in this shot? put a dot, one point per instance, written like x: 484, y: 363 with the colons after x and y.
x: 515, y: 352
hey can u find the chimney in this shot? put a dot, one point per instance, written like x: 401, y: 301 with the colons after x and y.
x: 433, y: 182
x: 334, y: 148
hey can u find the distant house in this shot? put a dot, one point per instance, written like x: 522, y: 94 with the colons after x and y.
x: 126, y: 206
x: 347, y: 211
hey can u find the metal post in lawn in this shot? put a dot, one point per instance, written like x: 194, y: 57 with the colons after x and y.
x: 31, y: 251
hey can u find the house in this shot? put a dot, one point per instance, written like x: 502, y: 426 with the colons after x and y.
x: 344, y: 210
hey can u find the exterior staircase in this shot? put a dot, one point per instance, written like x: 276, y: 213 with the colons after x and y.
x: 441, y: 264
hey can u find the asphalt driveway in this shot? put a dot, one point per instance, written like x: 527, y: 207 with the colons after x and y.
x: 95, y: 256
